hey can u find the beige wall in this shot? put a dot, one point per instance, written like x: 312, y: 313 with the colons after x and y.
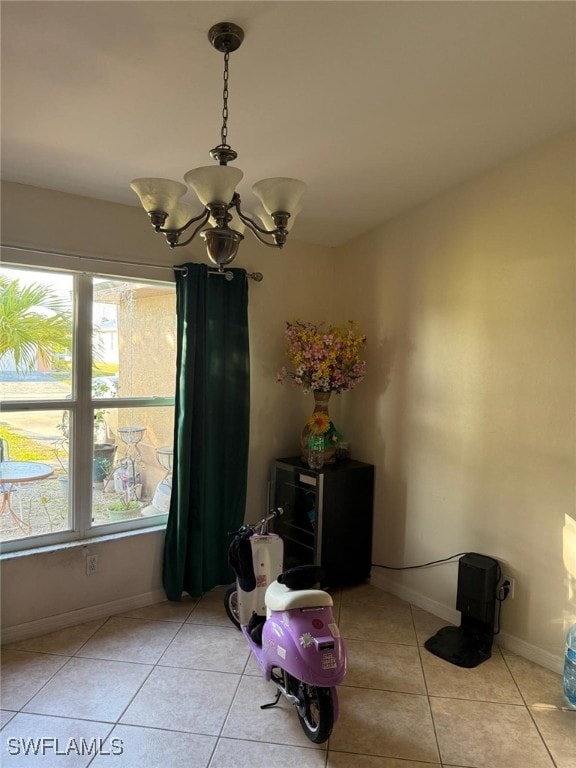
x: 467, y: 409
x: 469, y: 305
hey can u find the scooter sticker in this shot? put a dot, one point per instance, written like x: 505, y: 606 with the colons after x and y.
x: 335, y: 632
x: 328, y: 661
x: 281, y: 652
x: 262, y: 581
x: 317, y: 624
x: 306, y: 640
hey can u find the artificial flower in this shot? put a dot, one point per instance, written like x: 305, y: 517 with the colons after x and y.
x: 319, y: 423
x: 325, y: 359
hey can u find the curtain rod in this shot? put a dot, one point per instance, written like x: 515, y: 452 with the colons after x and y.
x: 256, y: 276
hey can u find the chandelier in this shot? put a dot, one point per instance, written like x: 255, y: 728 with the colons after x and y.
x: 222, y: 222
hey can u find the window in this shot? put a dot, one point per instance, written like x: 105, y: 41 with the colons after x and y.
x: 87, y: 372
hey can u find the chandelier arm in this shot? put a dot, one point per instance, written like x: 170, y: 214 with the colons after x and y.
x: 259, y: 237
x: 250, y: 222
x: 192, y: 236
x: 254, y: 226
x: 204, y: 215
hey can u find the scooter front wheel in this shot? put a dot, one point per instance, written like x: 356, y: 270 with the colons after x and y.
x: 231, y: 605
x: 315, y: 710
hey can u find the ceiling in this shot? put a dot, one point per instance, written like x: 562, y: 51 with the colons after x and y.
x: 378, y: 106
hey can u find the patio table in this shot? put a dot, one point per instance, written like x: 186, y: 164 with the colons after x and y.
x: 13, y: 473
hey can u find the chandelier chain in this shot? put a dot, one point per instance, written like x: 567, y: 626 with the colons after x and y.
x: 224, y: 131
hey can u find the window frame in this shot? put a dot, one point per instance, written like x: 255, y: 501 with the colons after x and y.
x: 81, y: 403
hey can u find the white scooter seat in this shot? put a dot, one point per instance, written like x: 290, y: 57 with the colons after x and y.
x: 279, y: 598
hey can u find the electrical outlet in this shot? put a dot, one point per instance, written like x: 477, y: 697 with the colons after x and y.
x: 508, y: 587
x: 91, y: 564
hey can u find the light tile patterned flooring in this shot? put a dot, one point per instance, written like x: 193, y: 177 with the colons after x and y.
x: 174, y: 686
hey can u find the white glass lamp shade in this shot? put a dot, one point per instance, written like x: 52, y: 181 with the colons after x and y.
x: 214, y: 183
x: 181, y: 215
x: 268, y: 221
x: 158, y: 194
x: 279, y: 194
x: 236, y: 224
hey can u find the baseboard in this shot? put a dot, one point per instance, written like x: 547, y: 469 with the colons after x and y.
x: 530, y: 652
x: 504, y: 639
x: 450, y: 615
x: 48, y: 624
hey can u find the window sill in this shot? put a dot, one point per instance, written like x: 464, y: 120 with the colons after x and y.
x: 81, y: 543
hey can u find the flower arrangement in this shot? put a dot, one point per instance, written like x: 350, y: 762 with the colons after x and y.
x: 325, y: 359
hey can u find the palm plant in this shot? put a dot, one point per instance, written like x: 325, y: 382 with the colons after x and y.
x: 34, y: 322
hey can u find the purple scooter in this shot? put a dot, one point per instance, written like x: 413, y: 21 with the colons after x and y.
x: 289, y: 627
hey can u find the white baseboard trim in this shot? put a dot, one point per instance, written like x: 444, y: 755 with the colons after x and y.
x: 531, y: 652
x: 48, y: 624
x: 415, y: 598
x: 504, y: 639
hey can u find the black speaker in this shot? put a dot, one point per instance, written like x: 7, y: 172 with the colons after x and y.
x: 471, y: 643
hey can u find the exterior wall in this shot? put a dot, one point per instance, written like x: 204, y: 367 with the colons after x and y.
x: 147, y: 347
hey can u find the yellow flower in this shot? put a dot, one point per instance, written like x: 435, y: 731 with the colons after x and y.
x: 319, y: 423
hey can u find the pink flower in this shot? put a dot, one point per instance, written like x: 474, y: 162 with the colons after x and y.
x: 325, y: 359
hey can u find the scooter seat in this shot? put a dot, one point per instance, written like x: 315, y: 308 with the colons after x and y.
x: 280, y: 598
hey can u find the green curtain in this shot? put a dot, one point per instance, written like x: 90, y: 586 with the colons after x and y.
x: 211, y: 430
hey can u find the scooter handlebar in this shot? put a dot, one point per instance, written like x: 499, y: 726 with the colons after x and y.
x: 273, y: 513
x: 261, y: 526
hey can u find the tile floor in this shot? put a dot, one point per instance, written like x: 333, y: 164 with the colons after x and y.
x: 171, y: 686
